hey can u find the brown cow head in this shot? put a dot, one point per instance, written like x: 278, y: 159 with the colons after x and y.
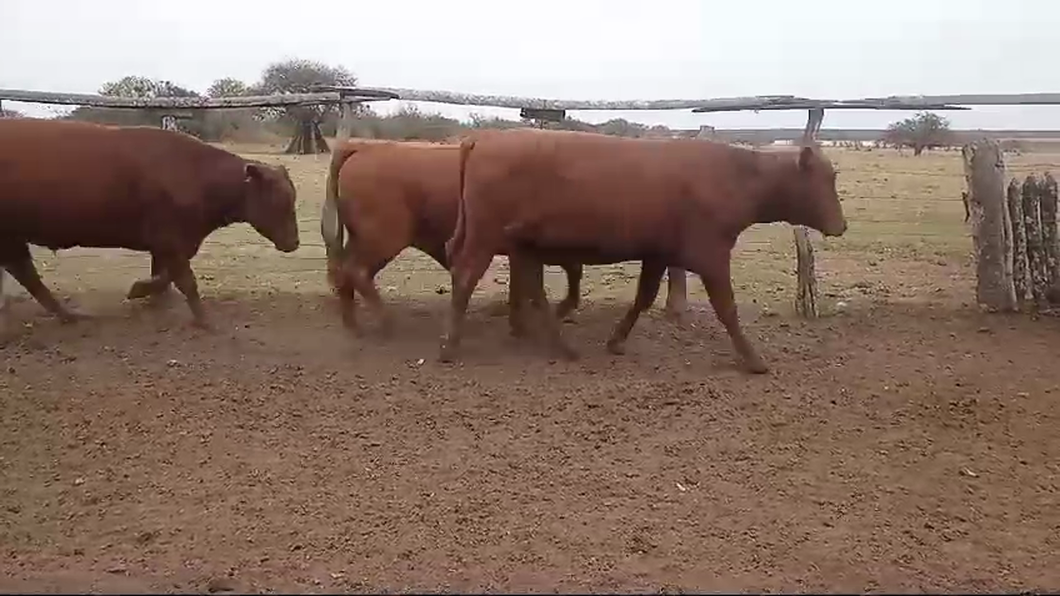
x: 269, y: 208
x: 812, y: 195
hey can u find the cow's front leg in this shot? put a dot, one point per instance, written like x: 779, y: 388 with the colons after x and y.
x: 714, y: 270
x: 184, y: 278
x: 155, y: 286
x: 574, y: 288
x: 518, y: 296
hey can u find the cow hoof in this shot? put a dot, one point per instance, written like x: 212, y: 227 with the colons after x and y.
x: 350, y: 322
x: 69, y: 317
x: 563, y: 311
x: 497, y: 309
x: 618, y: 348
x: 757, y: 367
x: 446, y: 353
x: 202, y: 325
x: 386, y: 330
x: 566, y: 353
x: 674, y: 316
x: 139, y: 289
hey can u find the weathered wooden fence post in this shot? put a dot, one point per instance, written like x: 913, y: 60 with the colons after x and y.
x: 347, y: 110
x: 1020, y: 268
x: 806, y: 267
x: 308, y: 139
x: 1032, y: 223
x: 1049, y: 231
x: 984, y: 172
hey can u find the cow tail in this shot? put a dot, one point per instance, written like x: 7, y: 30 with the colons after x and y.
x: 453, y: 245
x: 332, y: 230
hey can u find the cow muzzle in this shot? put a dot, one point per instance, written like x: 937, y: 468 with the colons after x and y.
x: 287, y: 245
x: 835, y: 229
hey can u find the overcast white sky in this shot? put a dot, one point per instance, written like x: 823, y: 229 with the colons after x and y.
x: 578, y: 49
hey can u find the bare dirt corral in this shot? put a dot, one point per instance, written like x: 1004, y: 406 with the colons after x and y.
x: 903, y: 442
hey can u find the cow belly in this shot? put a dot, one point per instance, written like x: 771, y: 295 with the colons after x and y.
x: 87, y: 233
x: 592, y: 238
x: 587, y: 255
x: 56, y: 223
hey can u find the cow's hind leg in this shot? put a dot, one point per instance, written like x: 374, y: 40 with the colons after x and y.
x: 574, y: 289
x: 179, y: 268
x: 21, y: 267
x: 535, y: 292
x: 651, y: 273
x: 714, y: 268
x: 676, y: 293
x: 357, y: 278
x: 465, y: 273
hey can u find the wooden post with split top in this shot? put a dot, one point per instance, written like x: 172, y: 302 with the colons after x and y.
x: 806, y: 267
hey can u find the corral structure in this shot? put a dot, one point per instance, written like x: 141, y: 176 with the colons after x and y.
x: 308, y: 138
x: 893, y: 448
x: 1014, y: 232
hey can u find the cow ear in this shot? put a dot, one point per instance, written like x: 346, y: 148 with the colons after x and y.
x: 251, y: 172
x: 805, y: 157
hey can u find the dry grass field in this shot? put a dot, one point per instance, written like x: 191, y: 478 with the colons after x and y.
x: 903, y: 442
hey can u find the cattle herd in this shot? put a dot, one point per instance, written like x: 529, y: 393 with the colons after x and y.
x: 539, y: 197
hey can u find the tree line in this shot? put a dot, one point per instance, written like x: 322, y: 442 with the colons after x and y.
x: 923, y: 131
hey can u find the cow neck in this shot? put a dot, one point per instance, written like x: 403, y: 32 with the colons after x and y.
x: 772, y: 201
x: 227, y: 199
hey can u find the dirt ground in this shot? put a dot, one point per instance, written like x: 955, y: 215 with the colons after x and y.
x: 904, y: 441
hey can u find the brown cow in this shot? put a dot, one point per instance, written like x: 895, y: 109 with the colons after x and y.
x: 601, y: 199
x: 65, y: 184
x: 1052, y: 294
x: 390, y: 196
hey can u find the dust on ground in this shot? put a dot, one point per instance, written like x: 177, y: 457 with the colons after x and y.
x: 902, y: 442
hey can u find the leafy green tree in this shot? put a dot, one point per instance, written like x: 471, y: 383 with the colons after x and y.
x: 140, y: 87
x: 298, y: 75
x: 144, y: 88
x: 227, y: 87
x: 925, y: 130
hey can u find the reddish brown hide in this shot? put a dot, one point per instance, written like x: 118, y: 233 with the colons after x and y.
x: 389, y: 196
x: 1052, y: 294
x: 600, y: 199
x: 65, y: 184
